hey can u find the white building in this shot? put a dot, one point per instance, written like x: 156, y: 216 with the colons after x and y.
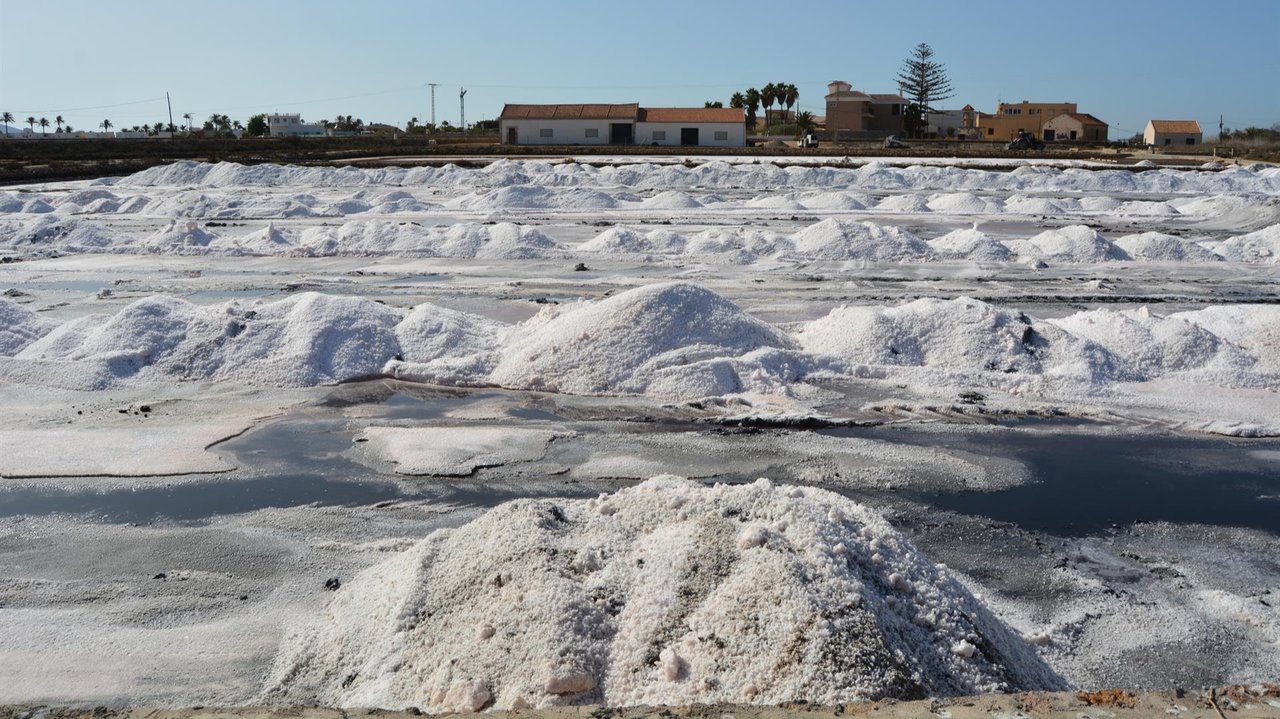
x: 1172, y: 132
x: 291, y: 125
x: 625, y: 124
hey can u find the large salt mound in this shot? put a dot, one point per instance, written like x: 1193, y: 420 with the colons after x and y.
x: 674, y: 339
x: 671, y: 200
x: 904, y: 203
x: 501, y: 241
x: 56, y: 233
x: 970, y: 244
x: 1256, y: 328
x: 961, y: 334
x: 528, y: 197
x: 1150, y: 345
x: 1262, y: 246
x: 664, y: 593
x: 740, y: 246
x: 373, y: 237
x: 19, y: 327
x: 1074, y: 243
x: 835, y: 239
x: 446, y: 346
x: 625, y: 240
x: 304, y: 340
x: 1159, y: 247
x: 269, y: 240
x: 964, y: 203
x: 180, y: 237
x: 832, y: 201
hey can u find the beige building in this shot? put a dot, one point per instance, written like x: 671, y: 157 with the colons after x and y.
x: 1078, y: 126
x: 1172, y: 132
x: 853, y: 113
x: 1011, y: 118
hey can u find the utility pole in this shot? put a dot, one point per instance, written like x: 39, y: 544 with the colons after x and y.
x: 172, y: 135
x: 1219, y: 128
x: 432, y: 85
x: 462, y: 107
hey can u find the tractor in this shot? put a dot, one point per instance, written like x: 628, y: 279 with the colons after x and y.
x: 1026, y: 141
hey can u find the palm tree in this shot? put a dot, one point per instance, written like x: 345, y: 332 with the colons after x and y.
x: 44, y: 126
x: 106, y: 125
x: 58, y: 120
x: 157, y: 128
x: 791, y: 96
x: 31, y: 121
x: 805, y: 121
x: 187, y: 116
x: 66, y: 128
x: 752, y: 96
x: 737, y: 101
x: 7, y: 118
x: 767, y: 95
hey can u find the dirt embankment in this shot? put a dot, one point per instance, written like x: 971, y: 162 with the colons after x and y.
x: 24, y: 161
x: 1237, y: 702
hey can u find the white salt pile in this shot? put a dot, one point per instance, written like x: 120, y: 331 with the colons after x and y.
x: 1073, y: 243
x: 675, y: 339
x: 305, y: 340
x: 961, y: 334
x: 19, y: 327
x: 1159, y: 247
x: 835, y: 239
x: 970, y: 244
x: 664, y: 593
x: 1262, y: 246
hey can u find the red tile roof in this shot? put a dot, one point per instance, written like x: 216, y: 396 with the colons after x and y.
x: 1177, y: 126
x: 692, y: 114
x: 627, y: 111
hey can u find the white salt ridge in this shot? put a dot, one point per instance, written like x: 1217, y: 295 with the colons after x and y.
x: 1262, y: 246
x: 1255, y: 328
x: 620, y: 239
x: 904, y: 203
x: 671, y: 200
x: 964, y: 203
x: 1073, y: 243
x: 1159, y: 247
x: 675, y: 339
x: 970, y: 244
x: 300, y: 341
x: 1151, y: 345
x: 836, y: 239
x: 873, y: 176
x: 665, y: 593
x: 962, y: 334
x: 19, y: 327
x: 530, y: 197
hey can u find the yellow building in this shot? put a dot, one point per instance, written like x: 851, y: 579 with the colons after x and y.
x: 1011, y: 117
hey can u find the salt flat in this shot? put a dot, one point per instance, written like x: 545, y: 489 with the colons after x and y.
x: 336, y: 362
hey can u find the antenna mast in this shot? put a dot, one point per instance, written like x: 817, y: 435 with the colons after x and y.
x: 462, y: 107
x: 432, y: 85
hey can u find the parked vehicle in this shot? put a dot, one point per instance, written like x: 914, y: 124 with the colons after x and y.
x: 809, y: 139
x: 1026, y: 141
x: 893, y: 141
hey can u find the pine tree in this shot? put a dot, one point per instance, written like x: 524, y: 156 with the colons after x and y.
x: 924, y: 81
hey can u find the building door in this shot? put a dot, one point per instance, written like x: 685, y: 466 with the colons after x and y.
x: 621, y: 133
x: 512, y: 136
x: 1073, y: 134
x: 1048, y: 135
x: 688, y: 136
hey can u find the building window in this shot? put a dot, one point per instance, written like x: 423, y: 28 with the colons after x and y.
x: 1191, y: 140
x: 1168, y: 140
x: 722, y: 135
x: 659, y: 135
x: 991, y: 131
x: 544, y: 132
x: 593, y: 132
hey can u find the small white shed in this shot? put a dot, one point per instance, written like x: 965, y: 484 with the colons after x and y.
x: 1160, y: 133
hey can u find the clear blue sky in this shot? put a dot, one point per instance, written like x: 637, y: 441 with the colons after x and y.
x: 1120, y: 60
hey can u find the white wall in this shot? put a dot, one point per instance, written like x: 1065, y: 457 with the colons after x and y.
x: 1151, y: 137
x: 737, y: 133
x: 563, y: 132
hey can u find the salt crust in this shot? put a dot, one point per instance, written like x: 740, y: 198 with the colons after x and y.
x: 668, y: 592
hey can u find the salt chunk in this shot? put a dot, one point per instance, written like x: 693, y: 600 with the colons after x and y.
x: 963, y: 648
x: 466, y: 696
x: 671, y: 663
x: 485, y: 631
x: 753, y: 536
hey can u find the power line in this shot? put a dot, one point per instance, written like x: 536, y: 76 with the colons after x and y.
x: 95, y: 107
